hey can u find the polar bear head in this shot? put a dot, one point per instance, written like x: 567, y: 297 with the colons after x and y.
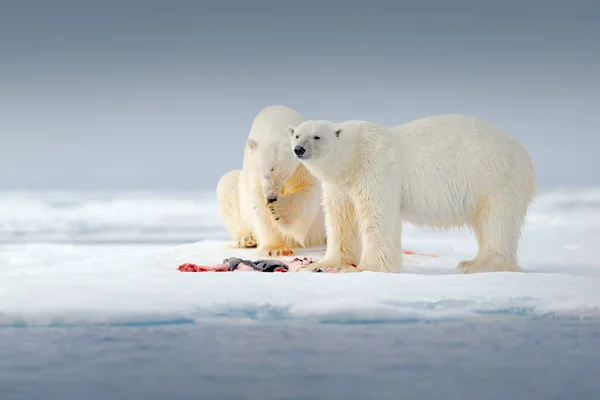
x: 274, y: 163
x: 314, y: 140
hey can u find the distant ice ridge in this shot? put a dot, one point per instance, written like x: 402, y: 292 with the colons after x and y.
x: 191, y: 216
x: 108, y: 217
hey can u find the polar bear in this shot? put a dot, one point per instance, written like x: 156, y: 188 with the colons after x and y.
x: 440, y: 171
x: 273, y: 202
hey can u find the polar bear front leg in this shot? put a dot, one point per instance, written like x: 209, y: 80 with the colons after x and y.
x: 342, y: 239
x: 381, y: 231
x: 270, y: 243
x: 295, y: 214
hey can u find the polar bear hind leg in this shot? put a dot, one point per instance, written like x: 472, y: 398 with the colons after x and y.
x: 498, y: 230
x: 477, y: 231
x: 228, y: 197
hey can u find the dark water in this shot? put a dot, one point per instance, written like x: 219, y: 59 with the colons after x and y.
x: 510, y: 359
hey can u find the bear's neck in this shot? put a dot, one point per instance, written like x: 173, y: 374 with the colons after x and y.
x: 339, y: 163
x: 358, y: 152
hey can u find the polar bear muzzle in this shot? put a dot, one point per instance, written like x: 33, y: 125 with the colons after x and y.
x: 299, y: 151
x: 302, y: 152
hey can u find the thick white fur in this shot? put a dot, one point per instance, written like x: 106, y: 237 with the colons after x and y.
x: 271, y: 170
x: 441, y: 171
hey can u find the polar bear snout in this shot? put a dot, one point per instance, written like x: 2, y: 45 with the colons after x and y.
x: 272, y: 189
x: 271, y: 193
x: 301, y: 152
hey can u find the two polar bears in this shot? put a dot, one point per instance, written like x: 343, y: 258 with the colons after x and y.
x: 441, y: 171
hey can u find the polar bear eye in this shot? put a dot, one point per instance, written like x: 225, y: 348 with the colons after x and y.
x: 317, y: 137
x: 297, y: 137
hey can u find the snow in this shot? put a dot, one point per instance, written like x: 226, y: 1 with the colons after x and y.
x: 63, y: 263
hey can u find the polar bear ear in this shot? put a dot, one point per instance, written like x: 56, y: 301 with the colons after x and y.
x: 252, y: 144
x: 337, y: 132
x: 291, y: 130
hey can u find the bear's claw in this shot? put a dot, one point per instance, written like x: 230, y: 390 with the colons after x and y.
x: 244, y: 242
x: 276, y: 251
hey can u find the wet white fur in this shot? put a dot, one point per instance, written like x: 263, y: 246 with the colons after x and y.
x: 441, y: 171
x: 270, y: 169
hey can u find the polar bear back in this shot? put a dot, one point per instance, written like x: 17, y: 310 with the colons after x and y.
x: 445, y: 166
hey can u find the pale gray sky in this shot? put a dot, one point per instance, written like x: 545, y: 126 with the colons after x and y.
x: 151, y: 94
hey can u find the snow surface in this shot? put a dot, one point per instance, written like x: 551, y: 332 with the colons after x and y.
x: 47, y: 279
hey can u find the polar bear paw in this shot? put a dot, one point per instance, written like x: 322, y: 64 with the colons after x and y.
x: 326, y: 265
x: 275, y: 250
x: 280, y: 210
x: 244, y: 242
x: 488, y: 263
x: 465, y: 264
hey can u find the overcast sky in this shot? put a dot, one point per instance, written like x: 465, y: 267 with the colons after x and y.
x: 111, y: 94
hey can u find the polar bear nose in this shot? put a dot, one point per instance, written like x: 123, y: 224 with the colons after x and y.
x: 271, y: 199
x: 299, y: 150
